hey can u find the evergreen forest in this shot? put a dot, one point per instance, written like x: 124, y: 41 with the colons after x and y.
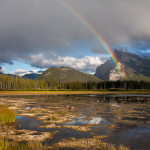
x: 20, y: 83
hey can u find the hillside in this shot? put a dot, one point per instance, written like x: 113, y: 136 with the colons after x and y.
x: 134, y: 66
x: 65, y: 74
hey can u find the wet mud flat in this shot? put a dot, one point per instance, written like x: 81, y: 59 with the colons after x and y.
x: 80, y: 121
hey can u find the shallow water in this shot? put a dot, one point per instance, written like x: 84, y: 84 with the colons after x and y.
x: 27, y: 123
x: 83, y: 121
x: 124, y: 118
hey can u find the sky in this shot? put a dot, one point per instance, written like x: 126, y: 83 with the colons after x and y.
x: 39, y: 34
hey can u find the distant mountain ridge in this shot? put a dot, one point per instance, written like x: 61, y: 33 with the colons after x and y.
x: 134, y: 66
x: 26, y: 76
x: 31, y: 76
x: 66, y: 74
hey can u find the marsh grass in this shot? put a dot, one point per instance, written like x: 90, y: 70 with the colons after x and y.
x: 88, y: 143
x: 5, y: 144
x: 53, y: 117
x: 6, y: 115
x: 32, y: 111
x: 5, y: 93
x: 61, y: 112
x: 57, y: 115
x: 112, y: 147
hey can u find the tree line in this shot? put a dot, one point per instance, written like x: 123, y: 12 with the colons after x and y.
x: 19, y: 83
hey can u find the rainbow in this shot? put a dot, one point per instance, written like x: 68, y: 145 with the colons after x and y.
x: 93, y: 31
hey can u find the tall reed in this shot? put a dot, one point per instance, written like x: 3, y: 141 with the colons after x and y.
x: 6, y: 115
x: 5, y: 144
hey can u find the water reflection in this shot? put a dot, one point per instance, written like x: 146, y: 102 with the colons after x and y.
x: 114, y: 105
x: 27, y: 123
x: 83, y: 120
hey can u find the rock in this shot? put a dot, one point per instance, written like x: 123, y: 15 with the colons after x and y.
x: 115, y: 75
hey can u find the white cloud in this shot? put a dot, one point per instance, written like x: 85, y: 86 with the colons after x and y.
x: 35, y: 71
x: 2, y: 69
x: 22, y: 72
x: 49, y: 59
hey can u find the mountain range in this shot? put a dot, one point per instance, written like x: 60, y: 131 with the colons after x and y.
x: 133, y: 66
x: 66, y: 74
x: 31, y: 76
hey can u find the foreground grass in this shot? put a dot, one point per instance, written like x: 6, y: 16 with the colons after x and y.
x: 92, y: 143
x: 7, y: 93
x: 5, y: 144
x: 6, y: 115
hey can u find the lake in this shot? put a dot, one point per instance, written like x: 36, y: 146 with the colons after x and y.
x: 121, y: 118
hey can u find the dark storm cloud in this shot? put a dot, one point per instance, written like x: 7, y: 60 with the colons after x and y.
x: 98, y: 50
x: 141, y: 45
x: 30, y: 27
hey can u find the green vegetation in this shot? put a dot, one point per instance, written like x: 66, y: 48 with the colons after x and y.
x: 18, y: 83
x: 6, y: 115
x: 5, y: 144
x: 66, y: 74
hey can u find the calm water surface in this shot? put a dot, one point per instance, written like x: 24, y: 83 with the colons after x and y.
x: 124, y: 118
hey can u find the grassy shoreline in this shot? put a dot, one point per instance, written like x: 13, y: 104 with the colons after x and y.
x: 9, y: 93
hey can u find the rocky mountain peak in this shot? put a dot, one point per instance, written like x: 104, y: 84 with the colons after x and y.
x: 131, y: 64
x: 115, y: 74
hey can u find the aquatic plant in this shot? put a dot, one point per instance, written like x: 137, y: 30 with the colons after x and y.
x: 6, y: 115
